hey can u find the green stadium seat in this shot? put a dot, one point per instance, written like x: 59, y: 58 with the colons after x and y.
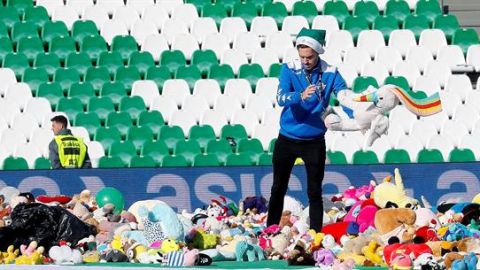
x: 251, y: 72
x: 418, y: 94
x: 121, y: 121
x: 138, y: 136
x: 66, y: 77
x: 429, y: 156
x: 51, y: 91
x: 221, y: 148
x: 50, y: 30
x: 93, y: 46
x: 398, y: 81
x: 133, y: 106
x: 338, y: 9
x: 204, y: 60
x: 8, y: 16
x: 12, y: 163
x: 336, y: 157
x: 62, y: 46
x: 30, y: 47
x: 127, y: 76
x: 23, y: 29
x: 42, y: 163
x: 159, y: 75
x: 416, y: 24
x: 202, y: 135
x: 171, y: 135
x: 142, y: 162
x: 3, y: 31
x: 19, y: 5
x: 115, y: 91
x: 448, y: 24
x: 188, y: 73
x: 110, y: 162
x: 101, y: 106
x: 277, y: 11
x: 259, y: 4
x: 206, y: 160
x: 157, y: 150
x: 173, y: 60
x: 235, y: 159
x: 398, y: 9
x: 152, y: 120
x: 70, y: 106
x: 49, y: 62
x: 228, y: 4
x: 271, y: 145
x: 215, y: 11
x: 97, y: 76
x: 34, y: 77
x: 274, y: 70
x: 78, y: 61
x: 174, y: 161
x: 265, y: 159
x: 361, y: 83
x: 199, y: 4
x: 247, y: 11
x: 107, y: 136
x: 364, y: 157
x: 366, y: 9
x: 17, y: 62
x: 221, y: 73
x: 89, y: 121
x: 355, y: 25
x: 125, y: 45
x: 124, y: 150
x: 307, y: 9
x: 428, y: 8
x: 235, y: 132
x: 249, y: 145
x: 464, y: 38
x: 82, y: 29
x: 6, y: 47
x: 461, y: 155
x: 396, y: 156
x: 188, y: 149
x: 385, y: 24
x: 37, y: 15
x: 83, y: 90
x: 111, y: 60
x: 141, y: 61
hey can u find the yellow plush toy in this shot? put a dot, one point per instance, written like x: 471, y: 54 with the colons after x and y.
x: 169, y: 245
x: 10, y: 256
x: 388, y: 195
x: 373, y: 252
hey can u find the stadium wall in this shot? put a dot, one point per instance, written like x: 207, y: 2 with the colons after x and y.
x: 189, y: 188
x: 467, y: 12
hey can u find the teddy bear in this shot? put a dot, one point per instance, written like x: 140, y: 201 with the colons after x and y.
x: 352, y: 249
x: 397, y: 222
x: 388, y: 194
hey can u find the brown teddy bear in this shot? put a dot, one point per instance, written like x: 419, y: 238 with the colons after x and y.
x: 397, y: 222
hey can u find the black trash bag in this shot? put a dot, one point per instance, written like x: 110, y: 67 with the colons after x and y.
x: 45, y: 224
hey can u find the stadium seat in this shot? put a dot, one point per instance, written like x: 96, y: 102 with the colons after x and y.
x: 277, y: 10
x: 83, y: 91
x: 440, y: 142
x: 124, y: 150
x: 473, y: 57
x: 455, y: 130
x: 165, y: 105
x: 119, y: 120
x: 346, y: 146
x: 432, y: 39
x: 113, y: 91
x: 79, y: 61
x: 111, y: 162
x: 8, y: 16
x: 448, y: 24
x: 215, y: 11
x: 156, y: 150
x: 472, y: 98
x: 428, y: 8
x: 127, y: 76
x: 202, y: 134
x: 338, y: 9
x: 355, y: 24
x: 371, y: 40
x: 407, y: 69
x: 398, y: 10
x: 388, y: 56
x: 461, y: 155
x: 427, y: 85
x: 368, y: 10
x: 17, y: 62
x: 464, y: 38
x: 42, y: 163
x: 438, y: 70
x: 155, y: 14
x: 340, y: 41
x: 138, y: 136
x: 306, y: 9
x: 93, y: 46
x: 155, y: 45
x: 216, y: 119
x: 171, y: 135
x: 182, y: 119
x: 110, y: 60
x: 66, y: 77
x: 97, y: 76
x: 263, y: 27
x: 336, y: 157
x: 34, y: 77
x: 186, y: 43
x: 453, y: 56
x: 430, y: 156
x: 101, y: 106
x: 361, y: 83
x: 470, y: 142
x: 398, y: 81
x: 293, y: 24
x: 396, y: 156
x: 201, y: 27
x: 70, y: 106
x: 206, y: 160
x: 107, y: 136
x: 364, y: 157
x: 221, y: 73
x: 142, y: 162
x: 375, y: 70
x: 173, y: 27
x: 133, y: 105
x: 402, y: 40
x: 89, y: 121
x: 172, y: 60
x: 124, y: 15
x: 12, y: 163
x: 38, y: 107
x: 6, y: 47
x: 416, y: 24
x: 98, y: 14
x: 385, y: 24
x: 242, y: 159
x: 247, y: 11
x: 188, y: 149
x: 403, y: 117
x: 356, y: 57
x: 326, y: 22
x: 51, y: 91
x: 49, y: 62
x: 188, y: 73
x: 176, y: 89
x: 174, y: 161
x: 204, y: 60
x: 51, y: 30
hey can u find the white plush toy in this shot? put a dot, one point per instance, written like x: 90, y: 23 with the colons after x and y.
x: 372, y: 116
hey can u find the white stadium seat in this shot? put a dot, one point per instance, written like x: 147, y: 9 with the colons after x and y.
x: 186, y: 13
x: 183, y: 119
x: 467, y: 115
x: 371, y: 40
x: 454, y: 130
x: 97, y: 14
x: 442, y: 143
x: 279, y: 42
x: 265, y: 58
x: 265, y: 134
x: 155, y: 45
x: 407, y: 69
x: 110, y: 5
x: 209, y: 89
x: 470, y: 141
x: 29, y: 152
x: 402, y: 40
x: 452, y: 55
x: 388, y: 56
x: 140, y: 5
x: 186, y: 43
x: 380, y: 147
x: 420, y: 56
x: 231, y: 26
x: 176, y: 89
x: 340, y: 40
x: 78, y: 5
x: 201, y: 27
x: 258, y: 105
x: 41, y: 138
x: 356, y: 57
x: 432, y: 39
x: 142, y: 29
x: 332, y: 56
x: 95, y: 151
x: 263, y: 27
x: 147, y: 90
x: 215, y: 119
x: 112, y: 28
x: 450, y: 102
x: 66, y: 14
x: 38, y: 108
x: 402, y: 116
x: 81, y: 132
x: 19, y: 94
x: 246, y: 43
x: 473, y: 57
x: 346, y: 146
x: 267, y: 87
x: 376, y: 70
x: 426, y: 84
x: 195, y: 106
x: 238, y: 88
x: 293, y: 24
x: 169, y: 5
x: 234, y: 58
x: 155, y: 14
x: 245, y: 118
x: 438, y: 70
x: 422, y: 130
x: 411, y: 144
x: 459, y: 84
x: 8, y: 110
x: 348, y: 72
x: 10, y: 138
x: 24, y: 123
x: 473, y: 99
x: 165, y: 105
x: 216, y: 42
x: 7, y: 78
x: 271, y: 117
x: 226, y: 105
x: 127, y: 15
x: 173, y: 27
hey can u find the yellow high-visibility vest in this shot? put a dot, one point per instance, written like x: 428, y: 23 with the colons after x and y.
x: 71, y: 151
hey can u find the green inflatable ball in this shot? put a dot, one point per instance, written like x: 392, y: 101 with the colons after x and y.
x: 111, y: 195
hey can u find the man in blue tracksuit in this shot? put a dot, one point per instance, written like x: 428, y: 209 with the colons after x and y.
x: 306, y: 85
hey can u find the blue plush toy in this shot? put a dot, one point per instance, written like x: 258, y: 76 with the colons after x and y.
x: 469, y: 262
x: 161, y: 223
x: 252, y: 252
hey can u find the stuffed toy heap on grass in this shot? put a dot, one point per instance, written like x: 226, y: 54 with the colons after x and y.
x: 372, y: 116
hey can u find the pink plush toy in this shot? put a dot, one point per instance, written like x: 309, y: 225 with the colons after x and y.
x: 28, y: 250
x: 346, y: 265
x: 363, y: 213
x: 360, y: 193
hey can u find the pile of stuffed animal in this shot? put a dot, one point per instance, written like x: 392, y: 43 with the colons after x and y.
x: 371, y: 225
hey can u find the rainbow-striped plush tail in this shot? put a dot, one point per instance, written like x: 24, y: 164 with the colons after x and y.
x: 421, y: 107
